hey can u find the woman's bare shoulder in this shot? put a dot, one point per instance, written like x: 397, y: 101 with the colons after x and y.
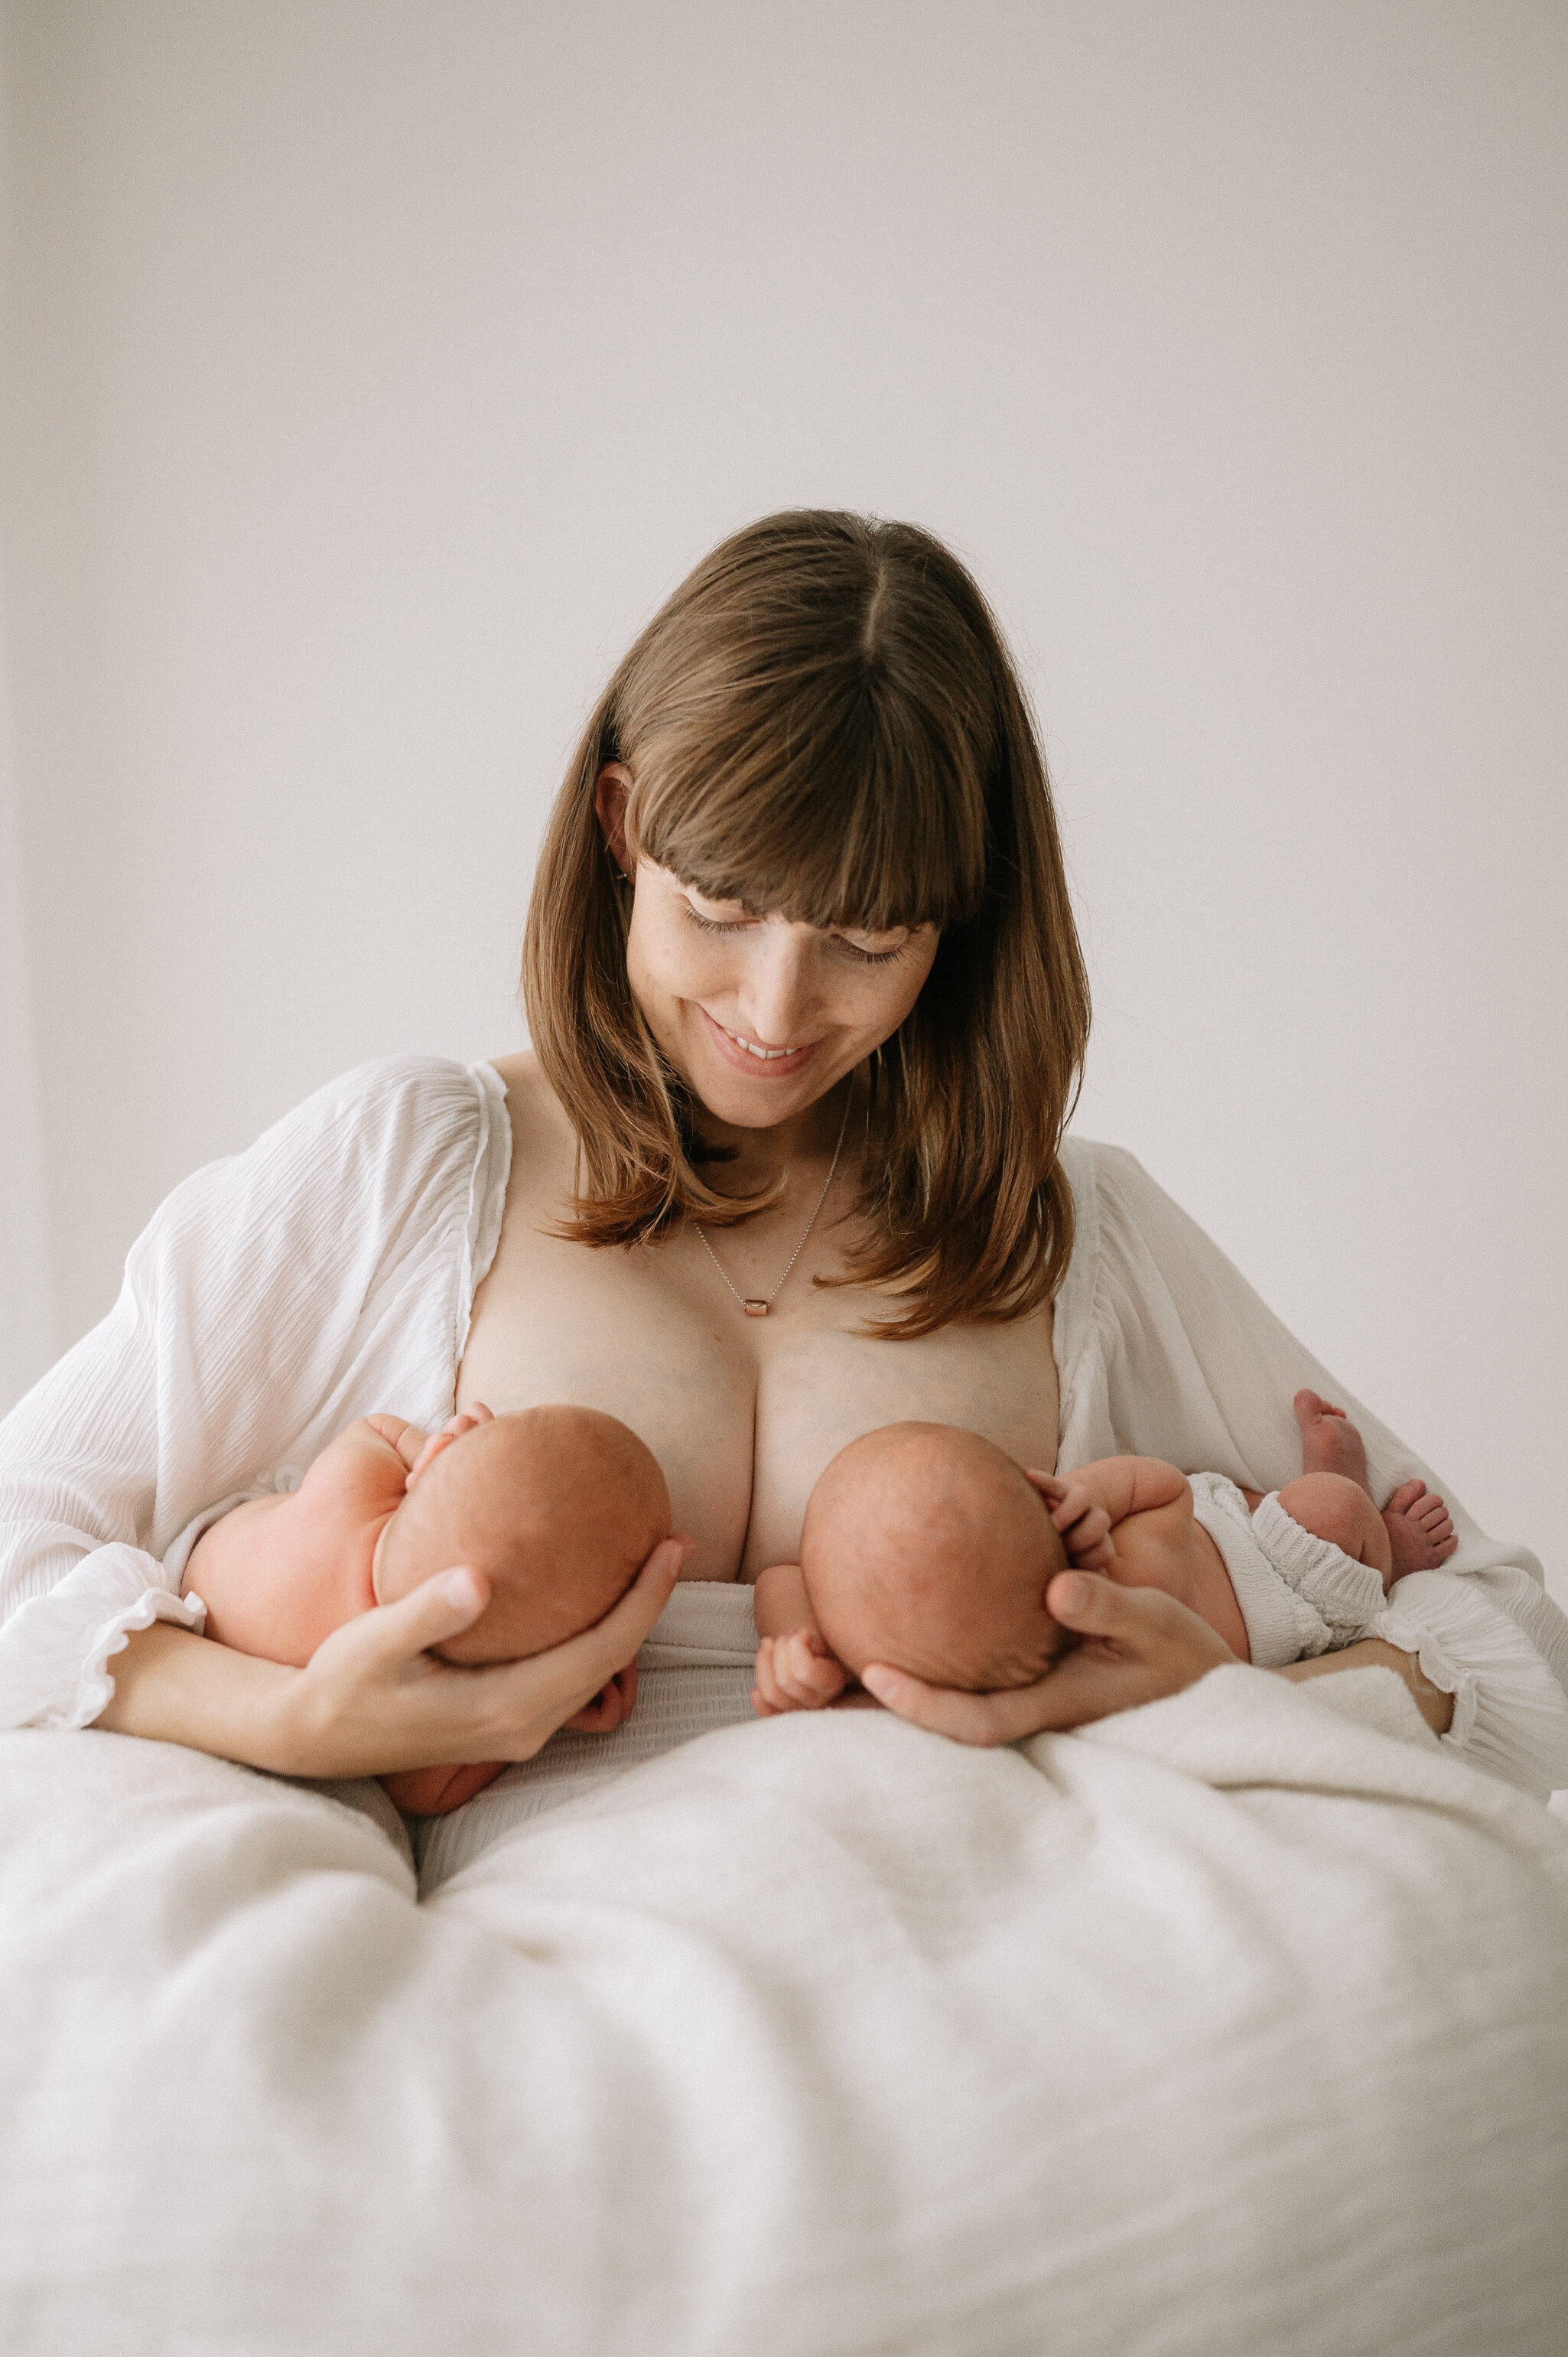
x: 541, y: 1137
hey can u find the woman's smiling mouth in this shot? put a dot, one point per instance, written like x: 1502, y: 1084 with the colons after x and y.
x: 750, y: 1055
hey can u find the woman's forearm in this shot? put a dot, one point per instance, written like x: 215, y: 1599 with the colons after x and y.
x: 1373, y: 1652
x: 178, y: 1687
x: 375, y: 1696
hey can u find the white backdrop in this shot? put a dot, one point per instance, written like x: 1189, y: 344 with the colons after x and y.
x: 374, y: 371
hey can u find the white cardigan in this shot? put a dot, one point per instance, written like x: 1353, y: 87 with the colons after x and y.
x: 330, y: 1271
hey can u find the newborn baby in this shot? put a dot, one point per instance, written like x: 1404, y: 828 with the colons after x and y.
x: 927, y: 1548
x: 559, y: 1507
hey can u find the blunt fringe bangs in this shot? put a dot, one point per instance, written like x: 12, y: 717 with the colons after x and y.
x: 823, y: 720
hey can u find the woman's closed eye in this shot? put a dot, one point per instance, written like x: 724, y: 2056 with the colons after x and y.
x: 871, y: 957
x: 898, y: 942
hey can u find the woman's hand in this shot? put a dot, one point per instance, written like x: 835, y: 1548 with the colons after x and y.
x: 375, y: 1683
x: 373, y: 1698
x: 1137, y: 1644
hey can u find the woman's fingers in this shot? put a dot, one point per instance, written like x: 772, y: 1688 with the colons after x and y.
x: 1137, y: 1644
x: 442, y: 1608
x: 578, y: 1669
x: 375, y: 1696
x: 1143, y: 1623
x: 976, y: 1718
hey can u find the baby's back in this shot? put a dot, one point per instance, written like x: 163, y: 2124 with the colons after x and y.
x: 279, y: 1575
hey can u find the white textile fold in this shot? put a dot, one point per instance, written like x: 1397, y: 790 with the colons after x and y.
x: 1235, y: 2025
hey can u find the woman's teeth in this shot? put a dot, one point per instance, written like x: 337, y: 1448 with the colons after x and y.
x: 767, y: 1055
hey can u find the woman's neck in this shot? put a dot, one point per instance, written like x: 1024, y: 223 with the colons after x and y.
x: 755, y: 1158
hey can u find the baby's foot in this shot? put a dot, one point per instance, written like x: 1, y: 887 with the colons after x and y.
x: 1330, y: 1441
x: 1420, y: 1529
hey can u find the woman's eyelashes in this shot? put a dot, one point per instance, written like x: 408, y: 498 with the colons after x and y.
x: 849, y: 949
x: 870, y: 957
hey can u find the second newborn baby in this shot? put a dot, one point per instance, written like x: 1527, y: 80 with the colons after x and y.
x: 926, y: 1548
x: 558, y: 1507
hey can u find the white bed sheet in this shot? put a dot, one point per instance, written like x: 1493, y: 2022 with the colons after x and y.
x: 1236, y: 2026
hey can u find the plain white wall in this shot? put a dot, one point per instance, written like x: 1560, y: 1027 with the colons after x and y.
x: 384, y: 367
x: 27, y: 1302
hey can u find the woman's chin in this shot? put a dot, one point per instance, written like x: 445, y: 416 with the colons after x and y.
x: 743, y: 1104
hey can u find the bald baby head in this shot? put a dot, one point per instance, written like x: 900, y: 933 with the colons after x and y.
x: 926, y: 1547
x: 559, y: 1507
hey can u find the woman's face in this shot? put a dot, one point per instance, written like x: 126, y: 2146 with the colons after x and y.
x: 759, y: 1014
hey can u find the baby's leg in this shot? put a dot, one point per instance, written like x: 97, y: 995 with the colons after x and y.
x: 1419, y: 1527
x: 1333, y: 1507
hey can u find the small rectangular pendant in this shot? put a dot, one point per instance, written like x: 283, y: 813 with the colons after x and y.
x: 755, y: 1308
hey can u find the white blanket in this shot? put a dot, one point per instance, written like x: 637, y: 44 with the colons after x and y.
x: 1237, y: 2024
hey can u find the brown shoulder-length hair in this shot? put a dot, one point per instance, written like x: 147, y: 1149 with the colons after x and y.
x: 823, y: 720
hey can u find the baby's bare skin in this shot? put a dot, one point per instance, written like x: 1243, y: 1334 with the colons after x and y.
x: 1129, y: 1517
x: 558, y: 1507
x: 926, y: 1547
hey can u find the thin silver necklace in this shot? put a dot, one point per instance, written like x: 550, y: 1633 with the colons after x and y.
x: 758, y: 1308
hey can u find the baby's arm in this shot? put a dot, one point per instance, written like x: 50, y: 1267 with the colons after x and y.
x: 795, y: 1668
x: 278, y: 1575
x: 1087, y: 1504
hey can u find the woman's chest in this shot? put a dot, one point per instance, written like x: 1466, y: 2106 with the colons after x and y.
x: 743, y: 1414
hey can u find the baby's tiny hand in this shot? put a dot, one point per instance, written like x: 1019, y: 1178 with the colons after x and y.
x: 453, y: 1429
x: 796, y: 1673
x: 1084, y: 1525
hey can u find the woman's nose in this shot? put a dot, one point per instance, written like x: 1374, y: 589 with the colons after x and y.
x: 778, y: 993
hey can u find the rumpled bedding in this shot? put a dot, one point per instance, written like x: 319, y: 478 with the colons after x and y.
x: 1235, y: 2025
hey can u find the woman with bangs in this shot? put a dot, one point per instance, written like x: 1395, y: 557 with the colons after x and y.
x: 784, y: 1163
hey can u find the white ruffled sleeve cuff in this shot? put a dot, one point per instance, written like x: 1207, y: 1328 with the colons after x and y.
x: 55, y: 1649
x: 1510, y: 1713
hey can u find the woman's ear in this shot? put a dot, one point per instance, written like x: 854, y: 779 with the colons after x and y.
x: 609, y: 800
